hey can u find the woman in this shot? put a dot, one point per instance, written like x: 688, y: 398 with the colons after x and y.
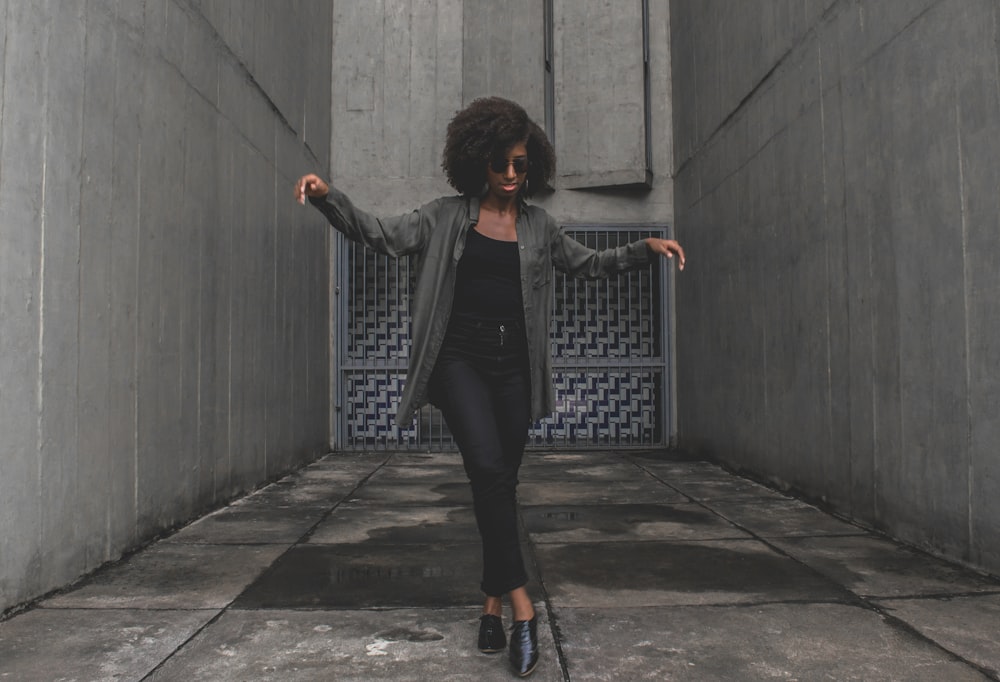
x: 481, y: 310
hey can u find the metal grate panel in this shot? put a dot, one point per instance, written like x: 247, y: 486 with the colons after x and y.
x: 610, y: 344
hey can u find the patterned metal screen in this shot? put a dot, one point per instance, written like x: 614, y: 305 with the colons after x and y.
x: 610, y: 347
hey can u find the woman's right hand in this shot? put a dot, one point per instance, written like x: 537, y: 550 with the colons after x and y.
x: 310, y: 185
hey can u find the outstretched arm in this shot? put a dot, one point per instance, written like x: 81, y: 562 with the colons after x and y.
x: 395, y: 237
x: 573, y: 258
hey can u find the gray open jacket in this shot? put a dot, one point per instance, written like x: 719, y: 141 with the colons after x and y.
x: 435, y: 235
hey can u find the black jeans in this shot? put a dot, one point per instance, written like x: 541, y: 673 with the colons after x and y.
x: 481, y: 385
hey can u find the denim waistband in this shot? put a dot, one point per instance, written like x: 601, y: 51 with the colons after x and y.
x: 486, y: 337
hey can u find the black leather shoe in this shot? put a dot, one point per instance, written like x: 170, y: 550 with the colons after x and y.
x: 491, y: 637
x: 524, y: 646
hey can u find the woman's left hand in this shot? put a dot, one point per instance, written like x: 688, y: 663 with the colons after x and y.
x: 667, y: 247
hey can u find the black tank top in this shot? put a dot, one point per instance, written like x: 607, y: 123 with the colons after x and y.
x: 488, y: 280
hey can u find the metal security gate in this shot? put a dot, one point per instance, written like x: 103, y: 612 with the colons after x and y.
x: 610, y: 346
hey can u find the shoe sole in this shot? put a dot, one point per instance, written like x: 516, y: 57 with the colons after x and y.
x: 529, y: 670
x: 490, y: 651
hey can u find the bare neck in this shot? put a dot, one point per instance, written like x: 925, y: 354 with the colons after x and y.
x: 502, y: 206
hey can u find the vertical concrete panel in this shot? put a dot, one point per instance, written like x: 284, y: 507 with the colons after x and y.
x: 978, y: 110
x: 356, y: 124
x: 94, y: 391
x: 218, y: 371
x: 599, y: 78
x: 126, y: 188
x: 392, y: 94
x: 423, y: 155
x: 185, y: 284
x: 158, y: 376
x: 931, y: 308
x: 258, y: 294
x: 273, y: 361
x: 839, y: 464
x: 62, y: 118
x: 243, y: 388
x: 22, y: 148
x: 282, y: 422
x: 684, y: 70
x: 504, y: 52
x: 865, y: 178
x: 449, y: 88
x: 200, y: 213
x: 312, y: 83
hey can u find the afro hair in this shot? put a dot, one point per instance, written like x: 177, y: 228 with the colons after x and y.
x: 488, y: 128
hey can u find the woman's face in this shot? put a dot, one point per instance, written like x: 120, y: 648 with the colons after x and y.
x: 505, y: 175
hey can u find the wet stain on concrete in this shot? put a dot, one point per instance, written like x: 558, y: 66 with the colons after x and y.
x: 876, y: 567
x: 639, y: 491
x: 362, y: 576
x: 418, y: 525
x: 614, y: 471
x: 445, y: 493
x: 409, y: 635
x: 620, y: 522
x: 611, y: 517
x: 713, y: 568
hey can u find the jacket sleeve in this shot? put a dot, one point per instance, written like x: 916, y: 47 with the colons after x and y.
x: 400, y: 236
x: 573, y: 258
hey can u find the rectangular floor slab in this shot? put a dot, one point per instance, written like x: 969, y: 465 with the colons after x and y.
x: 641, y: 491
x: 353, y: 461
x: 604, y: 471
x: 305, y: 646
x: 677, y: 573
x: 369, y: 576
x: 415, y: 525
x: 769, y: 642
x: 433, y: 492
x: 351, y: 476
x: 453, y: 473
x: 773, y: 517
x: 968, y: 626
x: 723, y: 488
x: 447, y: 458
x: 44, y: 645
x: 625, y: 523
x: 874, y: 567
x: 679, y: 469
x: 247, y: 524
x: 294, y: 493
x: 173, y: 576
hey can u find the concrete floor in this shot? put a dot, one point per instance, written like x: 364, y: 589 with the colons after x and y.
x: 366, y: 567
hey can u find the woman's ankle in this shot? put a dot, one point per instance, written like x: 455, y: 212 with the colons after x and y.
x: 493, y: 606
x: 521, y: 606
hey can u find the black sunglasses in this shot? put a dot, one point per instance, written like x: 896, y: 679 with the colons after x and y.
x: 499, y: 164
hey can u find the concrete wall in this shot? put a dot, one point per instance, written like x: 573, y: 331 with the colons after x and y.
x: 837, y: 188
x: 404, y: 67
x: 163, y: 329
